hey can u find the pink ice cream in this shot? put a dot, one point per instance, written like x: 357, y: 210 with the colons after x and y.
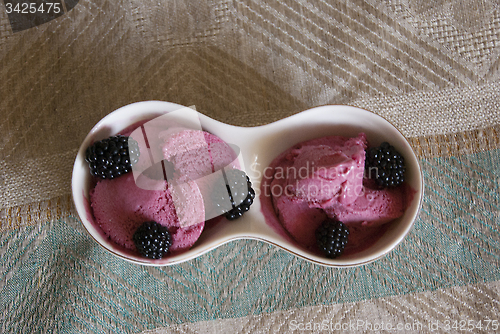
x: 323, y: 178
x: 120, y: 207
x: 122, y: 204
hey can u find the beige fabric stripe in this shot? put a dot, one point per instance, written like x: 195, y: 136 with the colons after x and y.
x: 355, y: 31
x: 442, y: 112
x: 265, y: 32
x: 36, y: 213
x: 36, y: 179
x: 467, y: 142
x: 364, y: 34
x: 435, y: 311
x: 437, y: 56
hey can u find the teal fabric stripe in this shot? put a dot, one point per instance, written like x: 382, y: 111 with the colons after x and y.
x: 56, y: 267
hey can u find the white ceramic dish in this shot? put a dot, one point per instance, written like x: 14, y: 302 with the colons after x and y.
x: 259, y: 146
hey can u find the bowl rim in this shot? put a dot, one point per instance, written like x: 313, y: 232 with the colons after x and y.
x: 145, y: 108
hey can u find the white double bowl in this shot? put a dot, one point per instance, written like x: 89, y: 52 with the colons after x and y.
x: 258, y: 147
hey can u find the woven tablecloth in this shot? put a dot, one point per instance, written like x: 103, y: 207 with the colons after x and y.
x: 430, y: 68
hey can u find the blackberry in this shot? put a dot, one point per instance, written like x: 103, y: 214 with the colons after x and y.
x: 385, y: 165
x: 331, y: 237
x: 112, y: 157
x: 152, y: 240
x: 240, y: 192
